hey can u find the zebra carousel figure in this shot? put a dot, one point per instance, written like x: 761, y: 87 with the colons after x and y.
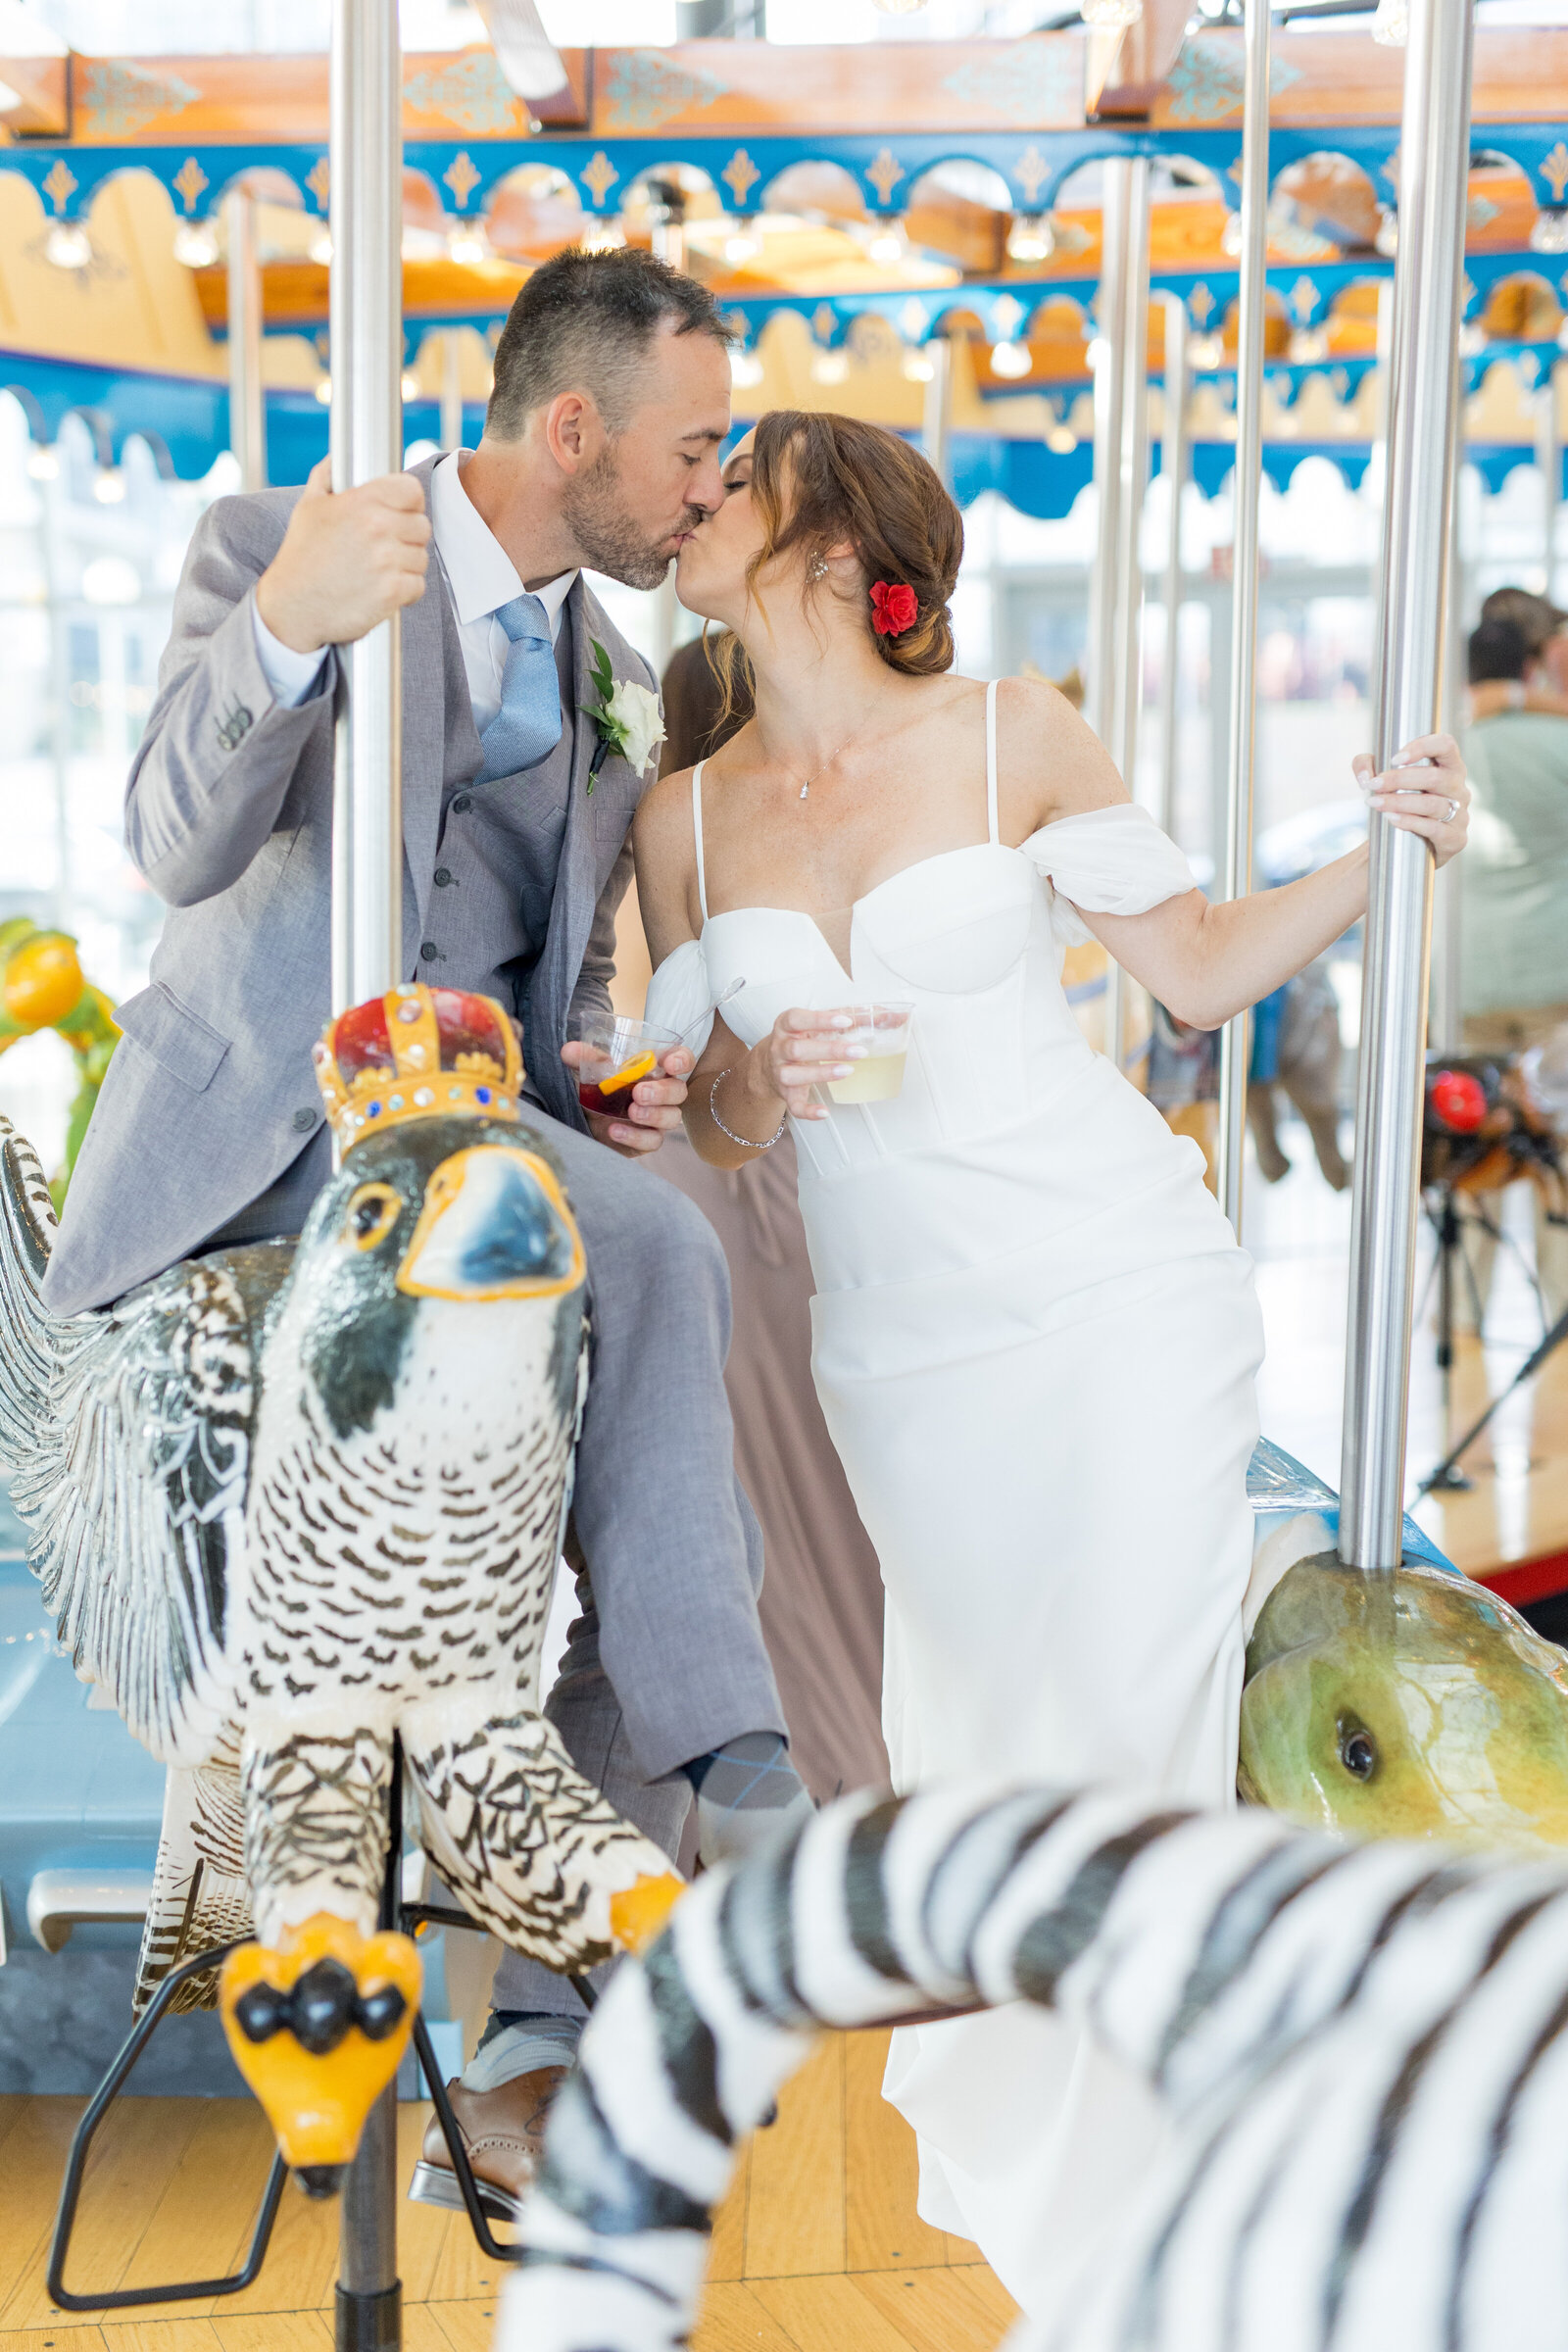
x: 293, y: 1504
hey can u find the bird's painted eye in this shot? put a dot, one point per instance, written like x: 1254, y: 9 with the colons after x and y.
x: 1359, y: 1750
x: 372, y: 1215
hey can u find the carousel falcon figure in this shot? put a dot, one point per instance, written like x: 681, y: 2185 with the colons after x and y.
x: 301, y: 1504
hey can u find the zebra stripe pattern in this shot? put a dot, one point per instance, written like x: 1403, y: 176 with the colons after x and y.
x: 1364, y: 2050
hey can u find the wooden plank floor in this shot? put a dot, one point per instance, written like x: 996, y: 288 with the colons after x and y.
x: 818, y: 2248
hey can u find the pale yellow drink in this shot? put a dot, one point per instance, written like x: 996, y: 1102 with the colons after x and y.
x: 875, y: 1080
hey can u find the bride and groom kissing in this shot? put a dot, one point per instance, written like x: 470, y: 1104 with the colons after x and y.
x: 1019, y: 1274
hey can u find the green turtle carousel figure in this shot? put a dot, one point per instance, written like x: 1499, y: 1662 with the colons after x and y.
x: 293, y: 1506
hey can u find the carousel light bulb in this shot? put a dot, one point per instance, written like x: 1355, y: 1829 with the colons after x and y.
x: 68, y: 246
x: 1548, y: 230
x: 1387, y: 241
x: 1096, y: 351
x: 1031, y: 238
x: 195, y: 245
x: 917, y: 368
x: 109, y: 486
x: 319, y: 250
x: 410, y: 384
x: 1011, y: 359
x: 889, y: 247
x: 746, y: 370
x: 830, y: 367
x: 602, y: 237
x: 1230, y: 237
x: 743, y: 245
x: 1111, y: 15
x: 1062, y: 440
x: 324, y: 391
x: 1205, y: 350
x: 467, y: 247
x: 43, y: 464
x: 1308, y: 345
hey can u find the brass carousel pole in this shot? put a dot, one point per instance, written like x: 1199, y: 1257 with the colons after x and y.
x: 366, y: 329
x: 1416, y: 543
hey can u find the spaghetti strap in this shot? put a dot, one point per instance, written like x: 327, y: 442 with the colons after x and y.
x: 992, y: 834
x: 697, y: 835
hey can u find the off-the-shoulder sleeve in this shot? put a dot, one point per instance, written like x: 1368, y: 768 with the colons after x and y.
x: 679, y: 996
x: 1111, y: 860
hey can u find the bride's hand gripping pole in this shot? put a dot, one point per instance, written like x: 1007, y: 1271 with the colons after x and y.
x: 1416, y: 546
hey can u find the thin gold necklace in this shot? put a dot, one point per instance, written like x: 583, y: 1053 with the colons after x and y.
x: 822, y: 768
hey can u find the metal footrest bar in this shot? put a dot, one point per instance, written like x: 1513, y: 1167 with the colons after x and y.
x: 478, y: 2221
x: 125, y: 2298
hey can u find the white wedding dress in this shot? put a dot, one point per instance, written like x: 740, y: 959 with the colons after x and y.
x: 1035, y: 1342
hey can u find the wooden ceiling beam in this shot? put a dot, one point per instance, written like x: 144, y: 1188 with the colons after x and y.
x: 1138, y: 66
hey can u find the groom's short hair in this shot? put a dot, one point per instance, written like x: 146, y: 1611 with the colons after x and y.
x: 584, y: 322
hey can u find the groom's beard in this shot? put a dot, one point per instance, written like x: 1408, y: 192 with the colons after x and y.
x: 594, y: 508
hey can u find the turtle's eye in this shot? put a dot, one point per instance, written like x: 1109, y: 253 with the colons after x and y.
x: 1359, y: 1750
x: 370, y: 1215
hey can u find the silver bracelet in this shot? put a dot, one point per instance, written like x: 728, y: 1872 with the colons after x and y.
x: 745, y: 1141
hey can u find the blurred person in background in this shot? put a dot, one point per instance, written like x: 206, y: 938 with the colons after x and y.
x: 1513, y: 969
x: 1514, y: 965
x: 821, y: 1601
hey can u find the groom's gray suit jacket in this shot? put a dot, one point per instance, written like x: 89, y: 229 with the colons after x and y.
x: 228, y: 816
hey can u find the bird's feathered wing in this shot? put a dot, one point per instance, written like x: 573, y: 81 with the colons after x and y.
x: 127, y: 1430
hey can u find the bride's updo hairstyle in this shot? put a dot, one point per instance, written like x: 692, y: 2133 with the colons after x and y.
x: 818, y: 481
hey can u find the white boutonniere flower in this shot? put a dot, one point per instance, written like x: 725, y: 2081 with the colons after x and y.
x: 626, y: 714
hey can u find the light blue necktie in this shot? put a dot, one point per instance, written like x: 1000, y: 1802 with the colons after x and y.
x: 527, y: 724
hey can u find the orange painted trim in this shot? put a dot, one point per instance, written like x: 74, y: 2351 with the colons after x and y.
x: 461, y: 95
x: 43, y: 84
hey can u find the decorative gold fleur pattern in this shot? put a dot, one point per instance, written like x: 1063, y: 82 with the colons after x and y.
x: 60, y: 183
x: 740, y: 175
x: 188, y: 183
x: 319, y: 179
x: 885, y: 174
x: 1031, y: 172
x: 1554, y: 172
x: 461, y: 176
x: 599, y: 178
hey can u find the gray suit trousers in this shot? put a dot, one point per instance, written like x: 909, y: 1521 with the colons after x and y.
x: 662, y: 1665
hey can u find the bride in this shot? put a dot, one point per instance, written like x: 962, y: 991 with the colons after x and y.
x: 1035, y: 1337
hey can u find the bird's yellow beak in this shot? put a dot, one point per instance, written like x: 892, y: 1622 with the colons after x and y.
x: 495, y: 1224
x: 318, y: 2029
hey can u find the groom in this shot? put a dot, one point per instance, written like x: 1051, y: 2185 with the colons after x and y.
x: 601, y: 447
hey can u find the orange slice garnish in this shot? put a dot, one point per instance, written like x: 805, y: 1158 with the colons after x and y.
x: 628, y: 1075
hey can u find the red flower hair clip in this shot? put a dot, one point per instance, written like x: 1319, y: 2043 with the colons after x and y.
x: 894, y: 608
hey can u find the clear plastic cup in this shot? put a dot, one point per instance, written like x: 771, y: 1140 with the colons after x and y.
x: 622, y: 1051
x: 882, y: 1033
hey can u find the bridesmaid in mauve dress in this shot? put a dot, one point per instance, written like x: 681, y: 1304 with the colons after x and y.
x: 822, y: 1601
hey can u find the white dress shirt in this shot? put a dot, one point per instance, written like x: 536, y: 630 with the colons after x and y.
x: 480, y: 577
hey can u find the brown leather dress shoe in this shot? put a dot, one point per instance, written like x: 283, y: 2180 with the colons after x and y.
x: 503, y: 2133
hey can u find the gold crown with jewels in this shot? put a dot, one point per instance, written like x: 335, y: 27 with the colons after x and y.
x: 418, y: 1052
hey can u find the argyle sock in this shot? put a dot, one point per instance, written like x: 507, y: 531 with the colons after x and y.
x: 748, y: 1793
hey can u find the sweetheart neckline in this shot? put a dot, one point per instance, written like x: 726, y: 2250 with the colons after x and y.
x: 937, y: 858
